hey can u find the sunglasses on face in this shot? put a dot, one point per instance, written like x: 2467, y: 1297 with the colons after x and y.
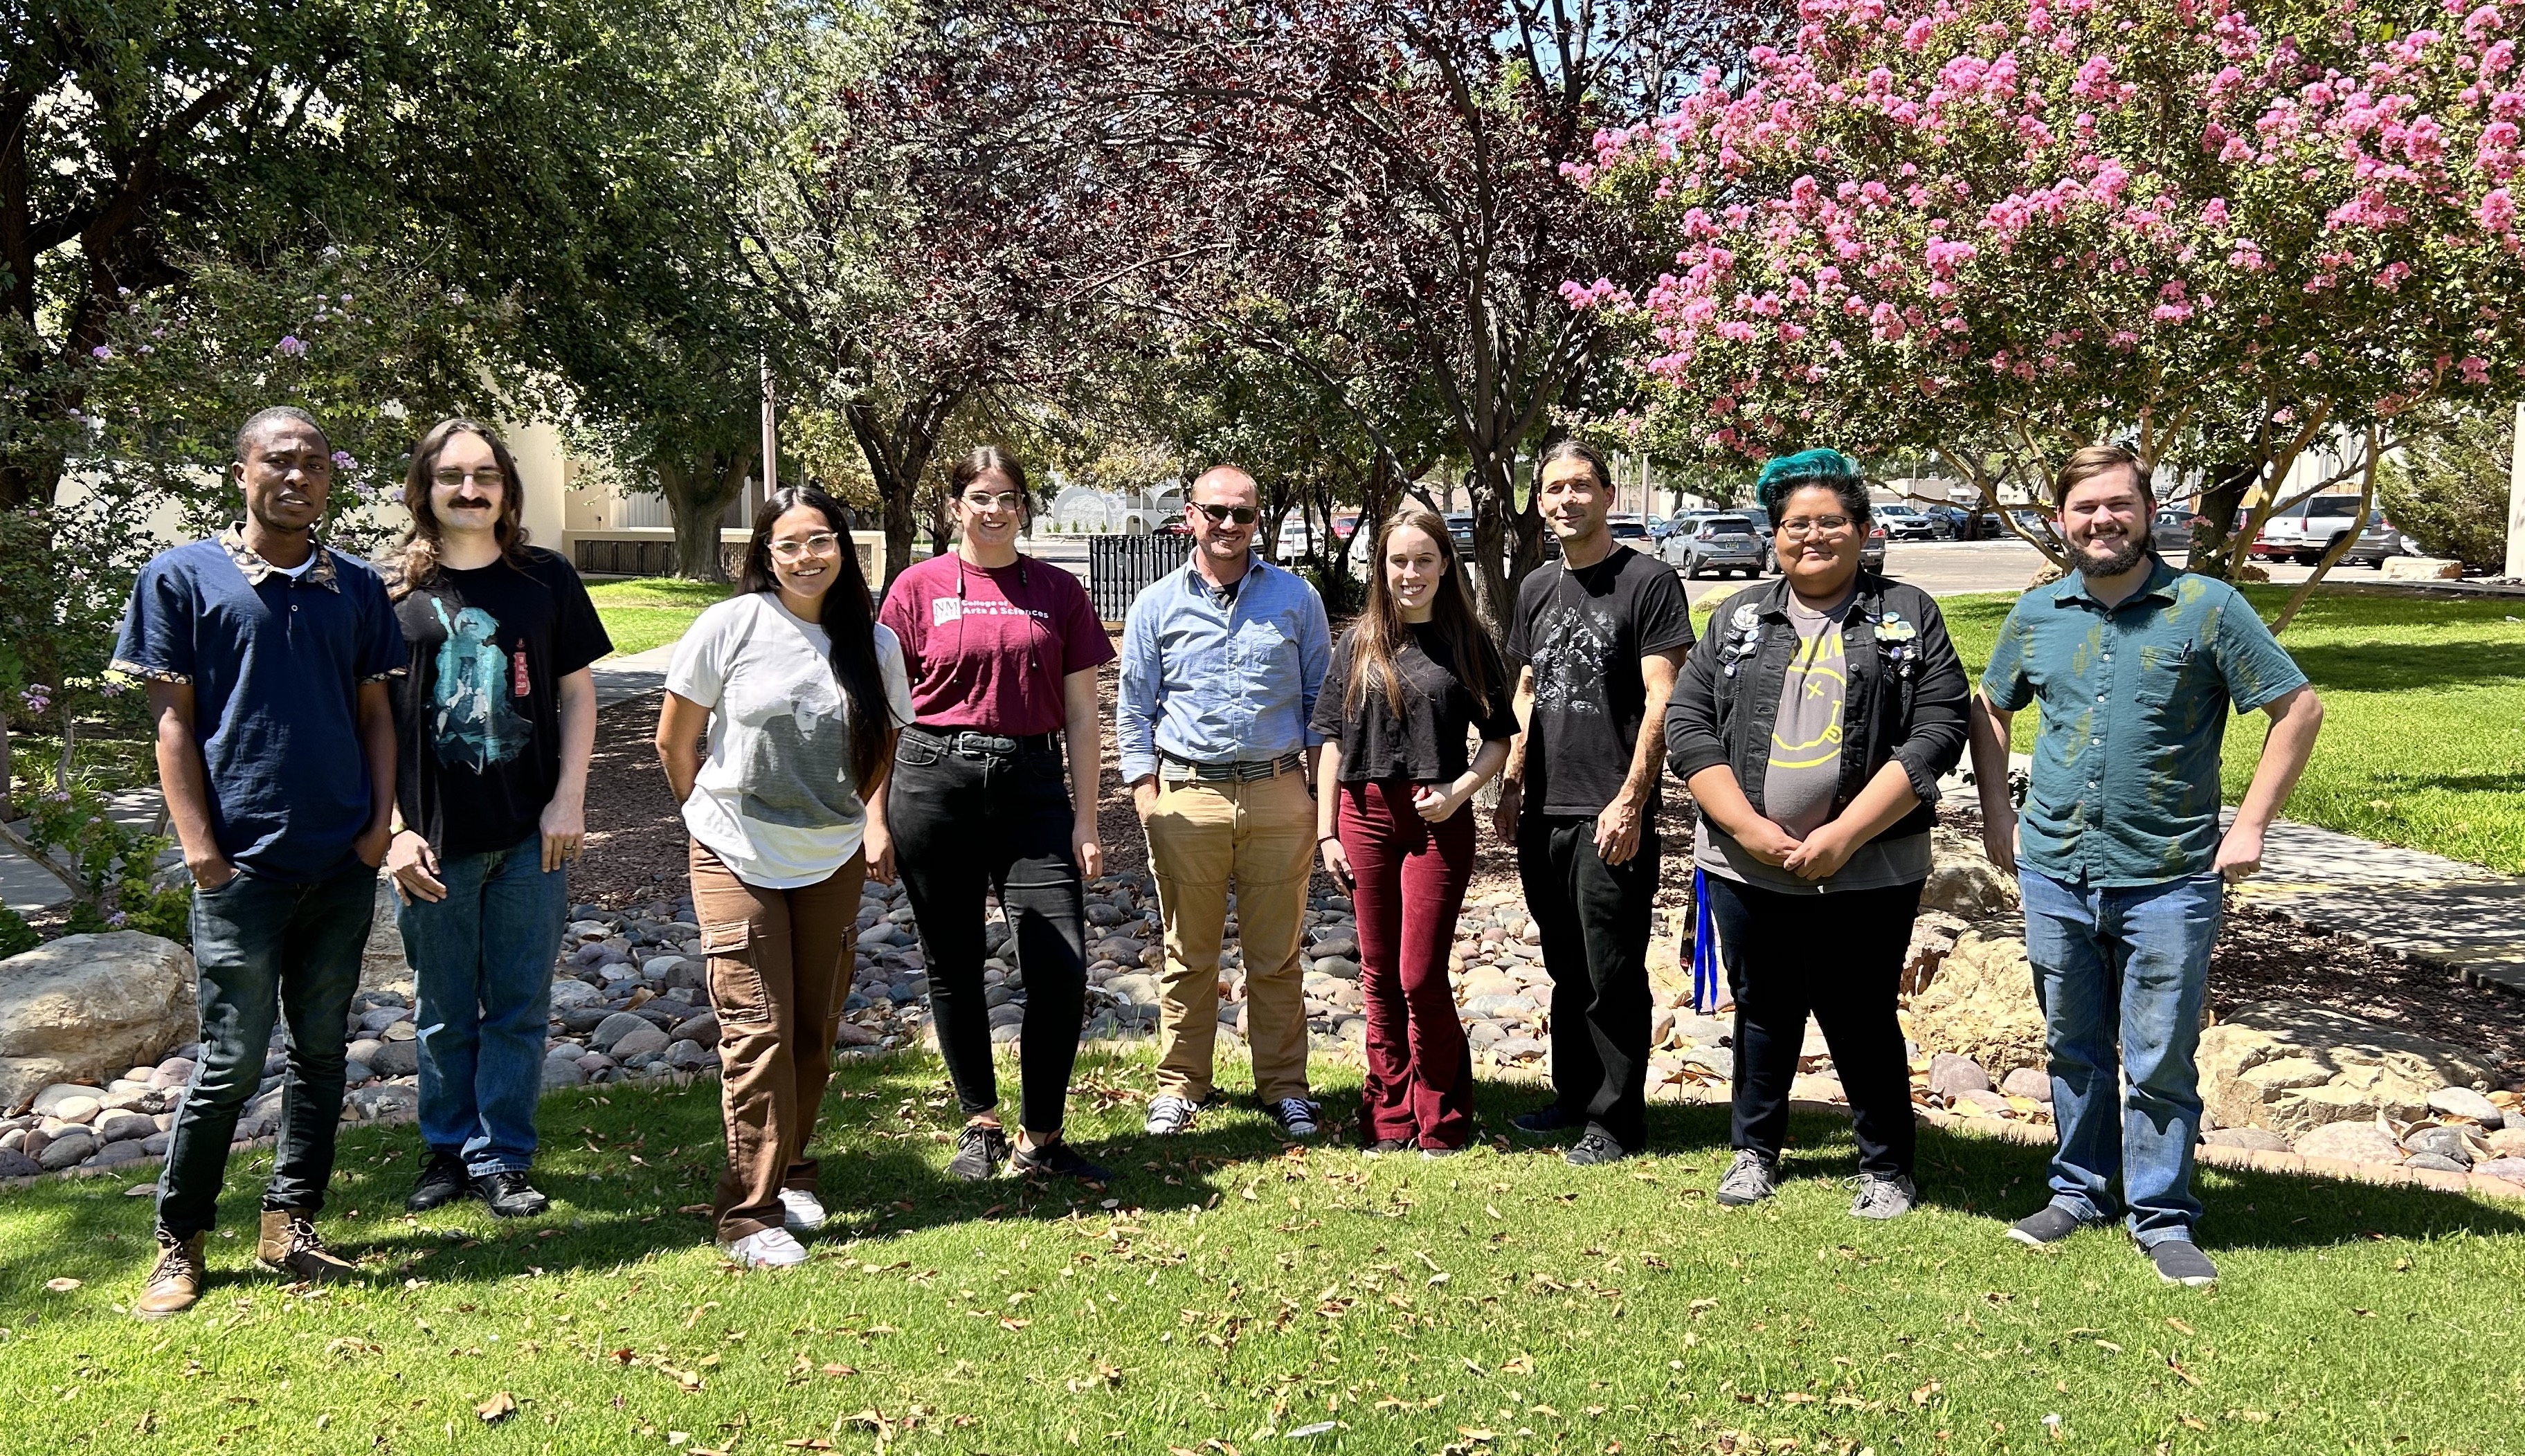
x: 1220, y: 515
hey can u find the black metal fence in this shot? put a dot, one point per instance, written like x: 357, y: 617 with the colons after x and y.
x: 1119, y: 568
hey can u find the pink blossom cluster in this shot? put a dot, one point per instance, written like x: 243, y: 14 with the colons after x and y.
x: 2078, y: 199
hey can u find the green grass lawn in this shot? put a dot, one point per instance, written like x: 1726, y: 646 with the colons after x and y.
x: 2424, y: 725
x: 1234, y: 1296
x: 651, y: 611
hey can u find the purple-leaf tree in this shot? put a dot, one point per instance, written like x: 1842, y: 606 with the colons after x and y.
x: 2246, y: 241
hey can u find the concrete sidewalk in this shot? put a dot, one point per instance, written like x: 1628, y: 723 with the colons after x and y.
x: 623, y: 678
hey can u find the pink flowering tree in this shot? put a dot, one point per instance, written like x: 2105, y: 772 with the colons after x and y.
x: 1995, y: 230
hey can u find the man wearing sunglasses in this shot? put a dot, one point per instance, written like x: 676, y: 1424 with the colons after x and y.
x: 1222, y: 662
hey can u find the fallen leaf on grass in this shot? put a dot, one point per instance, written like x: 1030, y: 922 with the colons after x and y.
x: 808, y: 1443
x: 498, y: 1408
x: 1922, y: 1395
x: 702, y: 1208
x: 2179, y: 1325
x: 840, y: 1369
x: 1303, y: 1433
x: 61, y: 1286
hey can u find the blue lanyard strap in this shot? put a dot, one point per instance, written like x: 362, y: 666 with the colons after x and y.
x: 1705, y: 947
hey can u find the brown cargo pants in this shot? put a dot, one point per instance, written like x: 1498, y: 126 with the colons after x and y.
x: 778, y: 974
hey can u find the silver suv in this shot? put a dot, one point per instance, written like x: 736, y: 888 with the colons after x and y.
x: 1722, y: 543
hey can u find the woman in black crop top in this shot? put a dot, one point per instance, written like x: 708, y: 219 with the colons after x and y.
x: 1410, y: 681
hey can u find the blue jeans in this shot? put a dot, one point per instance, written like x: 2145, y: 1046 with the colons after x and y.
x: 261, y: 951
x: 482, y: 968
x: 2126, y: 965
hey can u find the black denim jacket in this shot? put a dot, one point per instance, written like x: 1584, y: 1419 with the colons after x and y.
x: 1904, y: 700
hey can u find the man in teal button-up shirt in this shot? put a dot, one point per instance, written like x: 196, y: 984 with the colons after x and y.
x: 2118, y: 850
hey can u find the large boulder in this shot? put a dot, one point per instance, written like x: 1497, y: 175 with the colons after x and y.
x: 83, y: 1008
x: 2294, y: 1066
x: 1979, y: 1003
x: 1963, y: 882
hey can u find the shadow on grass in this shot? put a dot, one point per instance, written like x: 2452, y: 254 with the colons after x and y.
x: 883, y: 1176
x: 2406, y: 667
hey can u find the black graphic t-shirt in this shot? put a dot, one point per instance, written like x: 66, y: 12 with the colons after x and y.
x: 477, y: 717
x: 1583, y: 632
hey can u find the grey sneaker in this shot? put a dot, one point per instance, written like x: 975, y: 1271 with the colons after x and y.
x: 1881, y: 1197
x: 1168, y: 1116
x: 2046, y: 1226
x: 2180, y: 1261
x: 1295, y: 1116
x: 1752, y: 1177
x: 1594, y: 1150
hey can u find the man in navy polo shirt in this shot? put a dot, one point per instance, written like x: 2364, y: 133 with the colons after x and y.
x: 266, y: 656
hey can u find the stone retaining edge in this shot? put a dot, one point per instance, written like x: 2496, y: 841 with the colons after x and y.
x: 2023, y: 1133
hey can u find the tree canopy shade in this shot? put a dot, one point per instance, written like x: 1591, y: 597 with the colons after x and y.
x: 1390, y: 178
x: 1999, y: 229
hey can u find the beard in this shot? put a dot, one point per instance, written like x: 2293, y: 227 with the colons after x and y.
x: 2127, y: 553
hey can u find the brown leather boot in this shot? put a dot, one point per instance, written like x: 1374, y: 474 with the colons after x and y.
x: 289, y: 1245
x: 176, y: 1282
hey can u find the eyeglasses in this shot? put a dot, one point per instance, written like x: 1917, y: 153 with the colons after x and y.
x: 819, y: 543
x: 1822, y: 526
x: 1004, y: 501
x: 488, y: 475
x: 1220, y: 515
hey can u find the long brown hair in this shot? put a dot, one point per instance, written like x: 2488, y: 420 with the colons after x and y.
x: 1380, y: 633
x: 415, y: 562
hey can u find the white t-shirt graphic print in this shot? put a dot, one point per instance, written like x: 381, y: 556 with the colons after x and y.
x: 776, y: 798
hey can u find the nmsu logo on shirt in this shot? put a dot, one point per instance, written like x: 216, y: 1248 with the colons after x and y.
x: 945, y: 610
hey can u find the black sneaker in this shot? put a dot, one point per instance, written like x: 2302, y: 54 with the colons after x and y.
x: 2046, y: 1226
x: 981, y: 1149
x: 1594, y: 1150
x: 1545, y: 1123
x: 1296, y: 1116
x: 1058, y: 1160
x: 443, y: 1179
x: 507, y: 1194
x: 2180, y: 1261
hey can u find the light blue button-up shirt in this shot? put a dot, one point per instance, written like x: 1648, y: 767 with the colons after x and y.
x: 1218, y: 684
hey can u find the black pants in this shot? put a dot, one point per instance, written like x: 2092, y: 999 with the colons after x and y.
x: 965, y: 823
x: 1840, y: 956
x: 1595, y: 920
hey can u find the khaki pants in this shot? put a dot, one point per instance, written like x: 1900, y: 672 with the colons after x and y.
x: 1262, y: 835
x: 777, y: 980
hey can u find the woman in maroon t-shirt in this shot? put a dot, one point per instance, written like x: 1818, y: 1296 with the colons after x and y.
x: 1002, y: 652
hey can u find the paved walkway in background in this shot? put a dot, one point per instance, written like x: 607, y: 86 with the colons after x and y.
x: 2431, y: 908
x: 621, y: 679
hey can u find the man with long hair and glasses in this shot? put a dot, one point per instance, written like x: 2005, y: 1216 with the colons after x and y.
x: 2118, y: 850
x: 1595, y: 638
x: 1222, y: 662
x: 266, y: 656
x: 1411, y: 680
x: 802, y: 690
x: 496, y: 721
x: 1003, y: 651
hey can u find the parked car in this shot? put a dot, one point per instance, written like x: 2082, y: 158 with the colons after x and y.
x: 1720, y: 542
x: 2380, y: 540
x: 1907, y: 523
x: 2304, y: 530
x: 2171, y: 530
x: 1952, y: 523
x: 1628, y: 528
x: 1297, y: 540
x: 1459, y: 529
x: 1871, y: 553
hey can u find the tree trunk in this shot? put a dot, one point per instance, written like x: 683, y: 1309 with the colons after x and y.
x: 2214, y: 518
x: 698, y: 494
x: 898, y: 458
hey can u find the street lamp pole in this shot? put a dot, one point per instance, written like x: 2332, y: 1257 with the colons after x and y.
x: 771, y: 434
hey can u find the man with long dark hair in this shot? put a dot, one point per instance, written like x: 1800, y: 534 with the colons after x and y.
x: 1596, y: 638
x: 802, y: 690
x: 497, y: 720
x: 258, y: 640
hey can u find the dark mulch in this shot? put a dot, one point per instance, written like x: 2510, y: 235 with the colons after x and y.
x: 2263, y: 957
x: 635, y: 836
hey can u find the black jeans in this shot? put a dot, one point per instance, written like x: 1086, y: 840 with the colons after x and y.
x: 1840, y: 956
x: 1595, y: 921
x: 263, y: 951
x: 966, y: 821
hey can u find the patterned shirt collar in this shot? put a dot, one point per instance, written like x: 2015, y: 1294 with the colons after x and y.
x: 257, y: 570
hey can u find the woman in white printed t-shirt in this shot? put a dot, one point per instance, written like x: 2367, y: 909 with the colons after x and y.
x: 802, y: 692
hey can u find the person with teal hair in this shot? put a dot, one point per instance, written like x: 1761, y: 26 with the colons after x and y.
x: 1812, y: 724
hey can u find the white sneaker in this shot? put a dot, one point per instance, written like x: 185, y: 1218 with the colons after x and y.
x: 772, y: 1249
x: 800, y: 1213
x: 1168, y: 1116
